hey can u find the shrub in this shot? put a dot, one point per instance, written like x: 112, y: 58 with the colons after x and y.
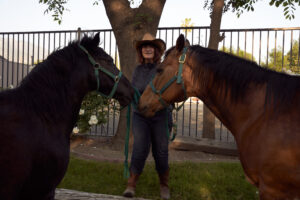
x: 93, y: 111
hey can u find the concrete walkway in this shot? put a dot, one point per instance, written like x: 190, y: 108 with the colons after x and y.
x: 64, y: 194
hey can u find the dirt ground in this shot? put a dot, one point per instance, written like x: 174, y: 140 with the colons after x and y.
x: 101, y: 150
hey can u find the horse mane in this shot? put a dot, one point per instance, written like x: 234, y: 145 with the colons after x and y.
x: 236, y: 74
x: 48, y: 81
x: 55, y: 68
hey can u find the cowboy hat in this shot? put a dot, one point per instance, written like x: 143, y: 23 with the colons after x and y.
x: 149, y: 39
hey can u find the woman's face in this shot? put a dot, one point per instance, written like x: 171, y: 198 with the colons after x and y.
x: 148, y: 53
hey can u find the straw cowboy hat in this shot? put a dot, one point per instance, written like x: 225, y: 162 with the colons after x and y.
x: 150, y: 39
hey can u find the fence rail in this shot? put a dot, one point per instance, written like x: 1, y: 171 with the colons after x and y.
x: 276, y: 48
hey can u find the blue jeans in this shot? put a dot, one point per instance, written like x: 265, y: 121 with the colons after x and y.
x: 147, y: 131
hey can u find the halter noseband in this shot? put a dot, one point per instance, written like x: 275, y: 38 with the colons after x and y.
x: 98, y: 67
x: 177, y: 77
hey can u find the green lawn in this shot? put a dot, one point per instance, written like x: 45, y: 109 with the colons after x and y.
x: 188, y: 181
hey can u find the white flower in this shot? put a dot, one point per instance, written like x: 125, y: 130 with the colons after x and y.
x: 11, y: 86
x: 75, y: 130
x: 93, y: 117
x: 81, y: 111
x: 93, y: 120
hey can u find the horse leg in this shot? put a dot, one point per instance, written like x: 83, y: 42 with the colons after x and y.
x: 265, y: 196
x: 267, y: 193
x: 268, y: 196
x: 50, y: 195
x: 35, y: 195
x: 8, y: 194
x: 11, y: 181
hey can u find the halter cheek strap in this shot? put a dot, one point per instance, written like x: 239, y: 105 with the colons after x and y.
x: 159, y: 92
x: 98, y: 67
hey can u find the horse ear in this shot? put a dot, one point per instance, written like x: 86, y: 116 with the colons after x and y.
x: 187, y: 43
x: 180, y: 43
x: 96, y: 39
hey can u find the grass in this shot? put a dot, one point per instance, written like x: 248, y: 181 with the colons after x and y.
x: 188, y: 181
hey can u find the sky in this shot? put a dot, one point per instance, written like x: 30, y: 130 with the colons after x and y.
x: 28, y: 15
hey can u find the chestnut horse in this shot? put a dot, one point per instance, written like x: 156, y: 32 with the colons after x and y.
x: 37, y: 118
x: 259, y: 106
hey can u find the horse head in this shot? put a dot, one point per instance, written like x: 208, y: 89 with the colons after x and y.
x: 171, y: 81
x: 104, y: 76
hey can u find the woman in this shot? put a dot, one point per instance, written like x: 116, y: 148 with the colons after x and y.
x: 148, y: 131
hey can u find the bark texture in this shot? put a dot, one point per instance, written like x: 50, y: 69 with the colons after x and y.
x: 214, y: 39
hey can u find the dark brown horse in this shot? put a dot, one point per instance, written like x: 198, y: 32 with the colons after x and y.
x: 37, y: 118
x: 259, y: 106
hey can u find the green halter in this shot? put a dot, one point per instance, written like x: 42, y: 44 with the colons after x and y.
x: 177, y: 78
x: 98, y: 67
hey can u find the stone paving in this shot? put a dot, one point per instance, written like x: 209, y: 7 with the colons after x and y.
x: 64, y: 194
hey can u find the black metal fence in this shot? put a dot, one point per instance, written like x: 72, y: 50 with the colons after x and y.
x: 277, y: 48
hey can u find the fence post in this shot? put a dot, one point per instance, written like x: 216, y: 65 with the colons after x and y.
x: 78, y: 33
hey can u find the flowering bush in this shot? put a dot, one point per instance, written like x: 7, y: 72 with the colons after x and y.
x: 93, y: 111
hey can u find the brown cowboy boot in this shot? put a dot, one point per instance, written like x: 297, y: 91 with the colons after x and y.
x: 131, y: 183
x: 164, y: 186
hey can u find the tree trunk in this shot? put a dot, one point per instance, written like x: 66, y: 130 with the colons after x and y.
x: 129, y: 25
x: 214, y: 39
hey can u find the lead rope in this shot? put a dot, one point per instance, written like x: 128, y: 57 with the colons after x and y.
x: 174, y: 124
x: 126, y: 166
x: 135, y: 101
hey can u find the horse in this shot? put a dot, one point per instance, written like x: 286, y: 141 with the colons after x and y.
x: 260, y: 107
x: 38, y: 116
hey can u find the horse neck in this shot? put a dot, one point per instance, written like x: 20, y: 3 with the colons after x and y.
x: 212, y: 77
x: 236, y: 114
x: 56, y: 99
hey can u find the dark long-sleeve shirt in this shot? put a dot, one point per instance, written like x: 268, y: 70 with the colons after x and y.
x: 142, y: 76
